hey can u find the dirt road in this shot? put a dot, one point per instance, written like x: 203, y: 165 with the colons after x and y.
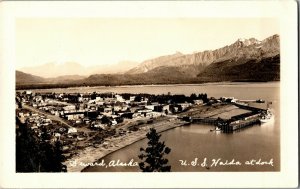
x: 48, y: 115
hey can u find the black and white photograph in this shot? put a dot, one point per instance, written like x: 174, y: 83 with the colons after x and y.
x: 123, y: 94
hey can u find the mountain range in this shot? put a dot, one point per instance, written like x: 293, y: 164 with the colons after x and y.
x: 243, y: 60
x: 53, y: 70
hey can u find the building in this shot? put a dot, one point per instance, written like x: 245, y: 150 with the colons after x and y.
x: 72, y: 130
x: 69, y: 108
x: 198, y: 102
x: 119, y: 98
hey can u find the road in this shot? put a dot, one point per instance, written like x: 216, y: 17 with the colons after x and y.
x: 50, y: 116
x: 60, y: 102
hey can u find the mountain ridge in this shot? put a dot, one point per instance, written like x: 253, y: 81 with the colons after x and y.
x: 243, y: 60
x: 253, y: 47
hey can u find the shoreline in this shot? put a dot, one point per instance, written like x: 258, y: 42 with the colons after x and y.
x: 92, y: 154
x: 146, y: 85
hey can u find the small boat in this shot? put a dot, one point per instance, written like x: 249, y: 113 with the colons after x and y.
x: 260, y: 101
x: 268, y: 117
x: 216, y: 129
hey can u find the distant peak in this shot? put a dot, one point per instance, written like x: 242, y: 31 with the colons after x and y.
x: 241, y: 39
x: 246, y: 42
x: 275, y: 36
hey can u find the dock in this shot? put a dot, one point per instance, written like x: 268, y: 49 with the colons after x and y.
x: 232, y: 124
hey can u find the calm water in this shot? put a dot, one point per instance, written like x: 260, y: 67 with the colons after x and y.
x: 236, y: 89
x: 196, y: 141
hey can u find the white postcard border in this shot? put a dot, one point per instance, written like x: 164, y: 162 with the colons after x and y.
x: 285, y: 11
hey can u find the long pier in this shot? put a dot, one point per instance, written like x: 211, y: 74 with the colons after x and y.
x: 234, y: 123
x: 226, y: 125
x: 249, y: 107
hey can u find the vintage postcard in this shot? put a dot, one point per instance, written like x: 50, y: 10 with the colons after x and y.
x: 97, y: 93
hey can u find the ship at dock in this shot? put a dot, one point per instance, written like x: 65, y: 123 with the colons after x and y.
x: 231, y: 115
x: 267, y: 117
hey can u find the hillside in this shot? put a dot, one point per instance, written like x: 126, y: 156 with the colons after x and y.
x: 65, y: 78
x: 22, y: 78
x: 241, y: 49
x: 266, y: 69
x: 156, y: 76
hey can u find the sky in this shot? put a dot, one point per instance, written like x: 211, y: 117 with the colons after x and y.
x: 103, y: 41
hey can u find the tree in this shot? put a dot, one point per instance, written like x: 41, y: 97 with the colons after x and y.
x: 93, y: 96
x: 50, y: 155
x: 34, y: 154
x: 153, y: 156
x: 27, y: 159
x: 105, y: 120
x: 138, y: 98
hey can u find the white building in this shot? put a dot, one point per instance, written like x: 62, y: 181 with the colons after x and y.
x: 98, y: 98
x: 150, y: 107
x: 72, y: 130
x: 132, y: 98
x: 69, y: 108
x: 119, y: 98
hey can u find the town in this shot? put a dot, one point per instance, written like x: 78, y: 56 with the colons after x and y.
x: 83, y: 122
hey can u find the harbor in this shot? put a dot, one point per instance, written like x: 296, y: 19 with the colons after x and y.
x: 94, y: 142
x: 235, y: 116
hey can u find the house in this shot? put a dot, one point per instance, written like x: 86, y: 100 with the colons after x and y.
x: 98, y: 98
x: 92, y: 107
x: 136, y: 115
x: 109, y: 100
x: 154, y: 114
x: 101, y: 103
x: 58, y: 135
x: 56, y: 113
x: 47, y: 121
x: 69, y: 108
x: 150, y: 107
x: 107, y: 111
x: 132, y: 98
x: 127, y: 101
x: 198, y: 102
x: 74, y: 116
x: 118, y: 108
x: 99, y: 125
x: 144, y: 111
x: 72, y: 130
x: 119, y: 98
x: 184, y: 105
x: 78, y: 121
x: 114, y: 122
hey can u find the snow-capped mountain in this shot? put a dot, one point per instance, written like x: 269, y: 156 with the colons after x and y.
x: 242, y: 48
